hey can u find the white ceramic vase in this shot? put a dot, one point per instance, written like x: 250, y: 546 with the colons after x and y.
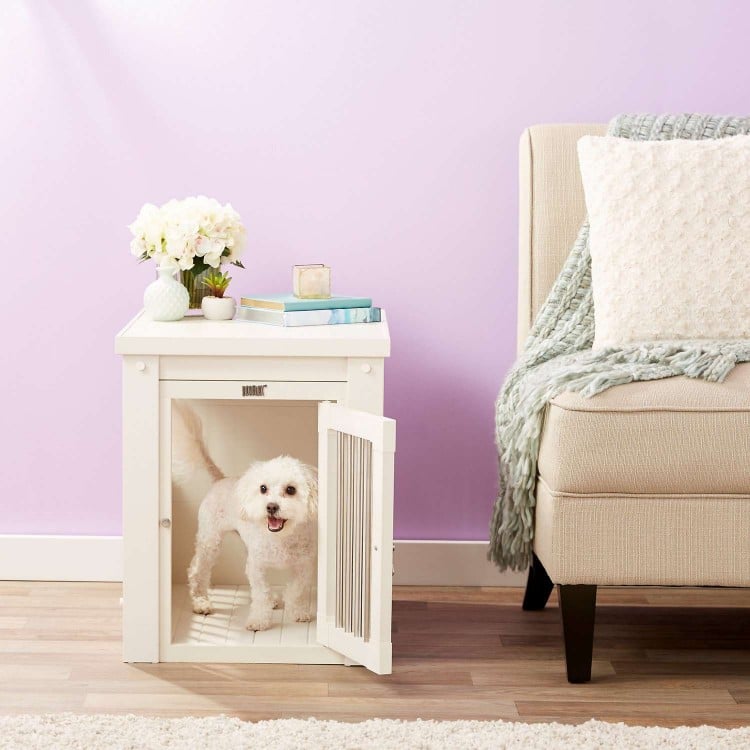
x: 218, y: 308
x: 166, y: 298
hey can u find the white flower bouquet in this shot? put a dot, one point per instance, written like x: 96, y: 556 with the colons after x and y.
x: 193, y: 235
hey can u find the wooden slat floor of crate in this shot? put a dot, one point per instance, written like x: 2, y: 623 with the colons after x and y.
x: 225, y: 626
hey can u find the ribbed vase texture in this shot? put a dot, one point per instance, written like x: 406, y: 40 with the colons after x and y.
x: 166, y: 298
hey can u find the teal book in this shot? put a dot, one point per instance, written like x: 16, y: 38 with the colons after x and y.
x: 289, y: 303
x: 294, y: 318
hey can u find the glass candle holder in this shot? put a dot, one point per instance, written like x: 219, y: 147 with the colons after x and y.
x: 312, y: 281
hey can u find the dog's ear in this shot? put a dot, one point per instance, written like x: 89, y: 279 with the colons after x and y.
x: 311, y: 477
x: 246, y: 485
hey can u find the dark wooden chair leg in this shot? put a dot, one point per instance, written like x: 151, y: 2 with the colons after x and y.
x: 578, y: 607
x: 538, y: 587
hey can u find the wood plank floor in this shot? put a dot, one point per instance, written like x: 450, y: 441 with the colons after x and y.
x: 661, y: 656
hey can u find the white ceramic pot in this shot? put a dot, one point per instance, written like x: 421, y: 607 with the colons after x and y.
x: 166, y: 298
x: 218, y: 308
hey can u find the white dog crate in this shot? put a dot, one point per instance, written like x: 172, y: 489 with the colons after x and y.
x: 313, y: 393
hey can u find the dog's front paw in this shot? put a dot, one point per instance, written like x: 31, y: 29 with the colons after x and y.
x: 303, y: 614
x: 258, y: 622
x: 202, y: 605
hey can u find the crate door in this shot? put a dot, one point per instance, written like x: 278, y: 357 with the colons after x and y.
x: 355, y: 534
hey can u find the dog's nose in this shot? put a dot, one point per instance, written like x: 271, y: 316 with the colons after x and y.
x: 272, y: 508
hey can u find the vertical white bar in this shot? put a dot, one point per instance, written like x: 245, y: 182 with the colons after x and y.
x: 344, y: 527
x: 140, y: 501
x: 356, y: 563
x: 326, y: 526
x: 350, y: 536
x: 165, y: 511
x: 361, y: 536
x: 337, y: 543
x: 353, y: 536
x: 365, y: 536
x: 382, y: 552
x: 367, y: 567
x: 345, y: 549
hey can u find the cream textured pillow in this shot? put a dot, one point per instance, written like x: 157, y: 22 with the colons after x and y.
x: 670, y: 238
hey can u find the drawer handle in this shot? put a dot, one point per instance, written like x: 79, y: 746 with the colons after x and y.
x: 165, y: 523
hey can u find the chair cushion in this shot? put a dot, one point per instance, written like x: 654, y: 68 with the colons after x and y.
x: 643, y: 540
x: 671, y: 436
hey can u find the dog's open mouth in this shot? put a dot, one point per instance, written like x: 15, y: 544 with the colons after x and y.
x: 275, y: 524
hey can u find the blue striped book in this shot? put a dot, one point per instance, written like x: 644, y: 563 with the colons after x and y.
x: 296, y: 318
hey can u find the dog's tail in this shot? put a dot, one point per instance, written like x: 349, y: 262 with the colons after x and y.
x: 189, y: 452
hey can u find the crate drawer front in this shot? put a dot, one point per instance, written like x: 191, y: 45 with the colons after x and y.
x: 310, y: 369
x: 249, y: 390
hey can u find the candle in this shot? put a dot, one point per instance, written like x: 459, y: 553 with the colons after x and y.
x: 312, y: 281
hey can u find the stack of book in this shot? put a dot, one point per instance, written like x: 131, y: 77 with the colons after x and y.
x: 288, y: 310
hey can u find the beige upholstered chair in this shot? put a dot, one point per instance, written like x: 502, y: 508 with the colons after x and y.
x: 645, y: 484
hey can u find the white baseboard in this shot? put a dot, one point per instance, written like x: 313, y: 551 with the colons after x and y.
x: 37, y: 557
x: 445, y: 563
x: 99, y: 558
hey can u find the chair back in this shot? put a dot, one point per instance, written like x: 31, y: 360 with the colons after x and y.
x: 551, y: 209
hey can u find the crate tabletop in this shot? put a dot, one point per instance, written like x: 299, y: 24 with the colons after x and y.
x: 193, y: 335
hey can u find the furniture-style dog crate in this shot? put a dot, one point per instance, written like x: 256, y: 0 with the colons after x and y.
x: 314, y: 393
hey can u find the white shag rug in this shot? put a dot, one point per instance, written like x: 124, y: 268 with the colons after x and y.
x: 103, y: 732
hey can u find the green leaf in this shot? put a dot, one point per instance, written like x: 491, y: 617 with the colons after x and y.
x: 199, y: 266
x: 237, y: 263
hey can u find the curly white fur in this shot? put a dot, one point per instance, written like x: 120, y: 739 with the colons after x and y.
x: 273, y: 506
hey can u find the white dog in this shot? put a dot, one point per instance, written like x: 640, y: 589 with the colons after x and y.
x: 273, y: 506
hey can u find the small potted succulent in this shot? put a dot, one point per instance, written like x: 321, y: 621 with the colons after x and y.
x: 215, y: 305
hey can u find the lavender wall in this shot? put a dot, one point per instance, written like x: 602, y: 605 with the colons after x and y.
x: 379, y: 137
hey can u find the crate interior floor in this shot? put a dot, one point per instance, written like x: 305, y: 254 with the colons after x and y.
x: 662, y: 656
x: 225, y: 626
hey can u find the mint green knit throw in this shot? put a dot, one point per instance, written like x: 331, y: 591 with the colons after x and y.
x: 558, y: 357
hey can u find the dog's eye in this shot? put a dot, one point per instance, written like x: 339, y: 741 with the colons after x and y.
x: 291, y: 490
x: 263, y: 489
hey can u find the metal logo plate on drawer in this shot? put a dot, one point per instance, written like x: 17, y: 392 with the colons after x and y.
x: 254, y: 390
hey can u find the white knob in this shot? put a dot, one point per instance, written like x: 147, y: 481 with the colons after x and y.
x: 140, y: 366
x: 366, y: 368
